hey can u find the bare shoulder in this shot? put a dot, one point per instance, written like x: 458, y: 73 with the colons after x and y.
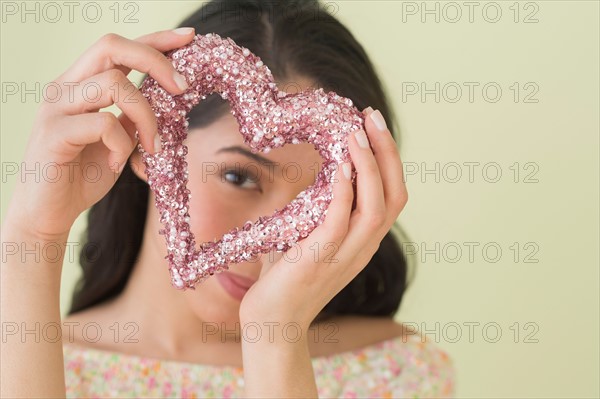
x: 347, y: 333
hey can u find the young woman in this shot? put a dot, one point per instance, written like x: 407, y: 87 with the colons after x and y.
x: 315, y: 323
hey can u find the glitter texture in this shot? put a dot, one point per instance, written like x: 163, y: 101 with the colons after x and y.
x: 268, y: 118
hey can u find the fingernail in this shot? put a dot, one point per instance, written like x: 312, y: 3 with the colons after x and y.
x: 122, y: 167
x: 346, y: 170
x: 377, y: 118
x: 157, y: 144
x: 183, y: 31
x: 368, y: 110
x: 361, y: 138
x: 180, y: 81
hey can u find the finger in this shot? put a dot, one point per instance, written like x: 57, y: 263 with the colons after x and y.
x: 169, y: 39
x: 370, y: 204
x: 164, y: 41
x: 130, y: 128
x: 387, y: 157
x: 78, y: 131
x: 268, y: 260
x: 128, y: 125
x: 113, y: 87
x: 330, y: 234
x: 113, y: 51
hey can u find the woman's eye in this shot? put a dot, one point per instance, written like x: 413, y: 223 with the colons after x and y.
x: 240, y: 179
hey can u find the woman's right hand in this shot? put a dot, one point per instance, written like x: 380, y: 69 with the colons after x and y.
x: 80, y: 149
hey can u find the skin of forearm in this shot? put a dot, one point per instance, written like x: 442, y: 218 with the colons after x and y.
x: 278, y: 368
x: 31, y: 351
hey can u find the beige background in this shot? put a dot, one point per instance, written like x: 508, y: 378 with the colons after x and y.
x: 554, y: 140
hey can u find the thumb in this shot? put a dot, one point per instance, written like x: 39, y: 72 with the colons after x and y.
x: 268, y: 260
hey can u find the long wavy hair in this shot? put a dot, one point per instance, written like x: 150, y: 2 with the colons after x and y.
x: 293, y: 38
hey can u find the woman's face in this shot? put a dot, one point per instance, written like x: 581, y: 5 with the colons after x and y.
x: 229, y: 186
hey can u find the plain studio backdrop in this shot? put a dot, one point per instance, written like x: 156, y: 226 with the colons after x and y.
x: 498, y: 111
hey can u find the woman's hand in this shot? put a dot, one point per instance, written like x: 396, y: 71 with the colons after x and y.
x: 82, y: 150
x: 297, y: 290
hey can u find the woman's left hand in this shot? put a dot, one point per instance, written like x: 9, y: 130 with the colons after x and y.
x: 298, y: 288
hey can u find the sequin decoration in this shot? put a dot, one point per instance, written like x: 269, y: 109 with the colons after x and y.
x: 268, y: 118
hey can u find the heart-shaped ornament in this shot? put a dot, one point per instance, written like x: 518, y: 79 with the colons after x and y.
x: 268, y: 118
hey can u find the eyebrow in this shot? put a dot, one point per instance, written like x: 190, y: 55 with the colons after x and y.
x: 241, y: 150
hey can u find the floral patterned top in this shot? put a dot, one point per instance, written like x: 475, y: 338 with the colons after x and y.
x: 400, y: 367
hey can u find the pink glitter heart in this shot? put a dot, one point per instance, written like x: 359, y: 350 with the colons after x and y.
x: 268, y: 118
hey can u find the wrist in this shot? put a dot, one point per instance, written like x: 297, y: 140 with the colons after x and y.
x: 22, y: 245
x: 288, y: 362
x: 36, y: 225
x: 17, y: 229
x: 267, y: 315
x: 280, y: 347
x: 274, y: 334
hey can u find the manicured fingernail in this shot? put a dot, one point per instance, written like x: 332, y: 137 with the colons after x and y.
x: 346, y: 170
x: 156, y: 144
x: 368, y: 110
x: 183, y: 31
x: 377, y: 118
x: 180, y: 81
x: 361, y: 138
x: 122, y: 167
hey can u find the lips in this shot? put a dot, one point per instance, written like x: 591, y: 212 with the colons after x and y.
x: 234, y: 285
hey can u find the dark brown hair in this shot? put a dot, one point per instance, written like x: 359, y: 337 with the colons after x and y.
x: 293, y: 38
